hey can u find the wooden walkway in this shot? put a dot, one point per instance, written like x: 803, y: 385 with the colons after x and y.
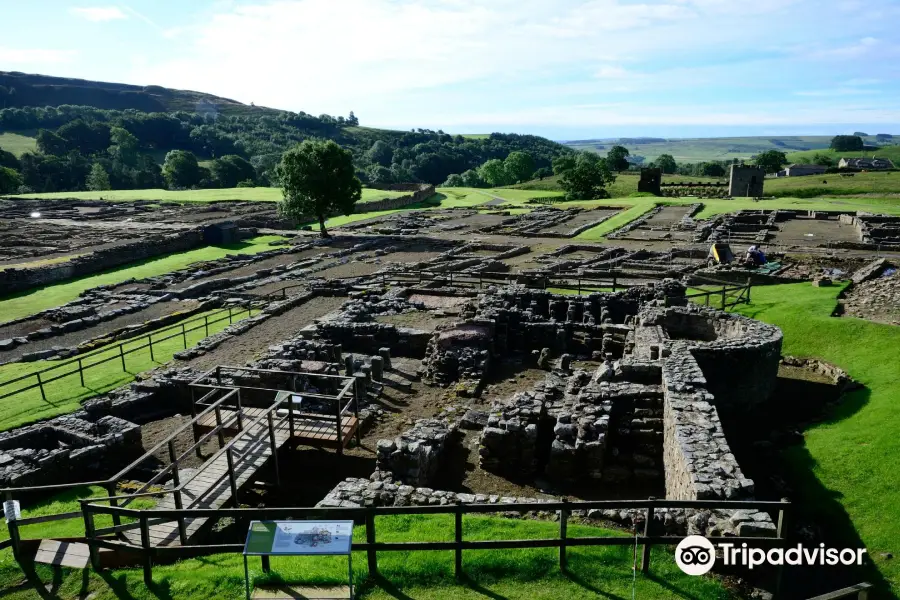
x: 210, y: 487
x: 309, y: 428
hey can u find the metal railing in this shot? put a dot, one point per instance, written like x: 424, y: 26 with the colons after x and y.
x: 181, y: 330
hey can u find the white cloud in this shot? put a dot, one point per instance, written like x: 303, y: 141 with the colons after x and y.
x: 841, y: 91
x: 99, y: 14
x: 22, y: 57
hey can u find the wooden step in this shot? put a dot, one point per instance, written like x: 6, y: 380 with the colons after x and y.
x: 285, y: 592
x: 63, y: 554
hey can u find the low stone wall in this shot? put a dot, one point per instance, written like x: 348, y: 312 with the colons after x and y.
x: 421, y: 192
x: 16, y: 280
x: 360, y: 493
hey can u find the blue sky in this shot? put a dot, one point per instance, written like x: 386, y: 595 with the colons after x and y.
x: 566, y: 69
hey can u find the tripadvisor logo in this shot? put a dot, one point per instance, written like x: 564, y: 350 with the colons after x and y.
x: 696, y: 555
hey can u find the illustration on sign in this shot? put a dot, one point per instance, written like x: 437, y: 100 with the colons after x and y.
x: 300, y: 537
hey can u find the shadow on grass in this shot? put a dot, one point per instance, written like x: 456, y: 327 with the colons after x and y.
x: 579, y: 581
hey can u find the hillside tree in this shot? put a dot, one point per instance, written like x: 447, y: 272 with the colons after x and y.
x: 666, y: 162
x: 494, y: 173
x: 10, y: 180
x: 617, y: 158
x: 181, y: 169
x: 471, y: 178
x: 230, y: 170
x: 317, y: 179
x: 771, y: 160
x: 98, y: 179
x: 541, y: 173
x: 588, y: 178
x: 48, y: 142
x: 123, y: 146
x: 380, y: 154
x: 519, y: 166
x: 847, y: 143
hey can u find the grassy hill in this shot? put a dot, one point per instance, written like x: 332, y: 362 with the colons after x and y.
x: 17, y: 143
x: 44, y: 90
x: 691, y: 150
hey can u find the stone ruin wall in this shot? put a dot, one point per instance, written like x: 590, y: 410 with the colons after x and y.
x: 15, y: 279
x: 420, y: 193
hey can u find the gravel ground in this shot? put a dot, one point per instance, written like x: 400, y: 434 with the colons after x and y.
x: 242, y: 349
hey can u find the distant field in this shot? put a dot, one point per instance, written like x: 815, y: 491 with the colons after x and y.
x: 835, y: 185
x: 476, y: 136
x: 258, y: 194
x: 17, y: 143
x: 704, y: 149
x: 889, y: 152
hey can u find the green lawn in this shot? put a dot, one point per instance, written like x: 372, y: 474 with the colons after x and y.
x: 36, y: 300
x: 17, y: 143
x: 257, y: 194
x: 514, y: 574
x: 847, y: 467
x: 66, y: 394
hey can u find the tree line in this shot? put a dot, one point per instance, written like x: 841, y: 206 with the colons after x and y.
x: 75, y: 141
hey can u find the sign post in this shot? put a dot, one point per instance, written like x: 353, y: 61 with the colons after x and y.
x: 298, y: 538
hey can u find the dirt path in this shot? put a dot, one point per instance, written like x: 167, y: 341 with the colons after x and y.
x: 242, y: 349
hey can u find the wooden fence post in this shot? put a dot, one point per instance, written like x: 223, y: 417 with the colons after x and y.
x: 231, y: 480
x: 230, y: 316
x: 749, y: 285
x: 88, y: 534
x: 150, y: 343
x: 457, y: 517
x: 111, y: 492
x: 723, y: 297
x: 274, y: 449
x: 780, y: 532
x: 122, y: 358
x: 219, y: 433
x: 206, y: 324
x: 184, y: 335
x: 176, y: 483
x: 645, y: 555
x: 563, y: 527
x: 370, y: 542
x: 81, y: 372
x: 147, y: 555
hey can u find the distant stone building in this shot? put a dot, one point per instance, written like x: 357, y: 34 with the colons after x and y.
x: 650, y: 182
x: 746, y: 181
x: 865, y: 163
x: 802, y: 170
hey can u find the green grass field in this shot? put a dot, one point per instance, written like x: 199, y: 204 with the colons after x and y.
x: 885, y: 182
x: 889, y: 152
x: 17, y: 143
x: 66, y: 394
x: 38, y: 299
x: 509, y: 574
x: 257, y: 194
x: 846, y: 469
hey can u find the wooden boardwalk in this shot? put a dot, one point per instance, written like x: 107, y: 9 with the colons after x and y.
x: 210, y: 486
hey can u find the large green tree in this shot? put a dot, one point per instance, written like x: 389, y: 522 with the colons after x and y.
x: 667, y: 163
x: 588, y: 177
x: 181, y: 169
x: 771, y: 160
x: 617, y: 158
x: 847, y: 143
x: 380, y: 154
x: 9, y: 180
x: 230, y: 170
x: 124, y: 146
x: 318, y: 178
x: 519, y: 166
x: 494, y: 173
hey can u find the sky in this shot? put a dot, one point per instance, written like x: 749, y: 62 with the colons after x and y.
x: 565, y: 69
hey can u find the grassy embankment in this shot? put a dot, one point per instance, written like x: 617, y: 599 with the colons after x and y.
x: 33, y: 301
x: 256, y: 194
x: 66, y: 394
x: 508, y: 574
x: 845, y: 474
